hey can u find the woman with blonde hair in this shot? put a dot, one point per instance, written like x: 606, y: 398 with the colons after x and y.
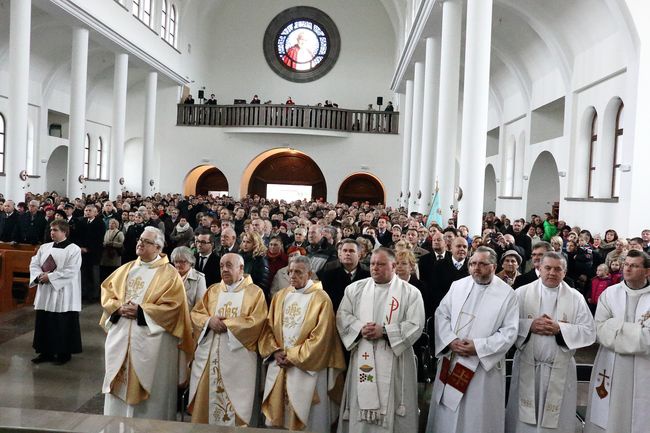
x: 256, y: 264
x: 113, y: 247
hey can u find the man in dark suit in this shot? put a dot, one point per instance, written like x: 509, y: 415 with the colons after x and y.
x: 90, y: 238
x: 449, y: 269
x: 539, y: 250
x: 207, y: 261
x: 427, y: 263
x: 32, y: 225
x: 522, y: 239
x: 228, y: 242
x: 10, y: 223
x: 336, y: 280
x: 384, y: 235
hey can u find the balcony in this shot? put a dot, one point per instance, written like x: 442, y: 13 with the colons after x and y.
x: 301, y: 117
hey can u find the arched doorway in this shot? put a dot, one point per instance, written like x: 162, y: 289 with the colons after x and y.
x: 205, y: 179
x: 361, y: 187
x: 490, y: 189
x: 543, y: 185
x: 56, y: 170
x: 285, y: 167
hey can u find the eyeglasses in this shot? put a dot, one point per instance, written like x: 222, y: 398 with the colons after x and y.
x: 479, y: 264
x: 146, y: 241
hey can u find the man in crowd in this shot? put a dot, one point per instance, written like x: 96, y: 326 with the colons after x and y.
x: 227, y: 323
x: 33, y: 225
x: 206, y: 260
x: 448, y: 270
x: 348, y: 271
x: 228, y: 242
x: 147, y: 322
x: 10, y: 223
x: 522, y: 239
x: 554, y: 321
x: 476, y: 324
x: 540, y: 249
x: 379, y: 320
x: 89, y: 236
x: 304, y: 353
x: 620, y: 379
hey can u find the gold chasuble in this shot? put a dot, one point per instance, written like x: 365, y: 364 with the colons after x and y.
x: 164, y: 302
x: 222, y: 385
x: 317, y: 347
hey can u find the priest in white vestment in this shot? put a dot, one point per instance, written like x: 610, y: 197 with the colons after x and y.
x: 227, y: 321
x: 379, y: 320
x: 475, y: 326
x: 55, y: 269
x: 619, y: 399
x: 554, y: 321
x: 305, y: 358
x: 147, y: 321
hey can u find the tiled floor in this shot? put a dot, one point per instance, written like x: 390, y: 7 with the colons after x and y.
x: 76, y: 386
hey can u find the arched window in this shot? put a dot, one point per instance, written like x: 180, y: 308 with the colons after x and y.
x: 87, y: 156
x: 618, y: 141
x: 171, y: 31
x: 592, y: 154
x: 163, y: 19
x: 2, y: 143
x: 146, y: 12
x: 135, y: 8
x: 100, y: 154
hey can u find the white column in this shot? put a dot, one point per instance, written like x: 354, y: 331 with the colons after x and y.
x: 116, y: 164
x: 407, y: 109
x: 149, y: 131
x: 445, y: 171
x: 78, y: 77
x: 416, y: 135
x: 475, y: 113
x: 429, y: 117
x: 16, y: 117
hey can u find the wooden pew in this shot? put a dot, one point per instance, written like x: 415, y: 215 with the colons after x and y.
x: 14, y: 270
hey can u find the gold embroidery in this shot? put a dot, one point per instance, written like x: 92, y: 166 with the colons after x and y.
x: 228, y: 311
x: 223, y: 409
x: 133, y: 287
x: 291, y: 315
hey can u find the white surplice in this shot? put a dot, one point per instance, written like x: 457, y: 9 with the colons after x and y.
x: 578, y: 329
x: 488, y: 315
x: 402, y: 407
x: 63, y: 292
x: 623, y: 323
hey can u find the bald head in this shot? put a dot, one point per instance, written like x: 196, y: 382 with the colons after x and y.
x: 232, y: 268
x: 459, y: 248
x: 438, y: 243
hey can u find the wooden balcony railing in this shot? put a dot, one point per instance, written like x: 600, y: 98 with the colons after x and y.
x: 288, y: 116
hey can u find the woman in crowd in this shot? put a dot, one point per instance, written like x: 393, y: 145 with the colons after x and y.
x: 195, y: 287
x: 112, y: 253
x: 132, y: 236
x: 609, y: 243
x: 405, y: 265
x: 182, y: 235
x: 618, y: 254
x: 256, y: 264
x: 510, y: 262
x: 276, y: 256
x: 281, y: 279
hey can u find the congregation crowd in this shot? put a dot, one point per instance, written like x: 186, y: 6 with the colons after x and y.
x: 287, y: 297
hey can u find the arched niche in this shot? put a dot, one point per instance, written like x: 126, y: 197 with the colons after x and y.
x: 56, y: 171
x: 203, y: 179
x: 490, y: 191
x: 543, y: 185
x: 361, y: 187
x: 283, y: 166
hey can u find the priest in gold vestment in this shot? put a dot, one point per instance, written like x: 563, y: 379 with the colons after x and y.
x: 147, y: 322
x: 304, y: 381
x: 227, y: 322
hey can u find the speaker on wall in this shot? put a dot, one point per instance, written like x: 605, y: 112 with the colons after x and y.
x: 380, y: 100
x: 201, y: 94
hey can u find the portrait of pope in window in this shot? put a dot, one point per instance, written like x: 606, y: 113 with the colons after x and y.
x: 301, y: 45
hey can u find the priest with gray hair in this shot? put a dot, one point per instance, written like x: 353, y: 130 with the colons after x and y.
x: 554, y: 321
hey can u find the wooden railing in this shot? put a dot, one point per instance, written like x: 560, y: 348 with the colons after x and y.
x: 288, y: 116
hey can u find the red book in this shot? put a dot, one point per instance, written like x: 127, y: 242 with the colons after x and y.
x: 49, y: 265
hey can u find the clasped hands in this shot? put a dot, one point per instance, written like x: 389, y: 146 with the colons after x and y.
x: 129, y: 311
x: 372, y: 331
x: 463, y: 347
x: 281, y: 359
x: 545, y: 325
x: 43, y: 278
x: 217, y: 325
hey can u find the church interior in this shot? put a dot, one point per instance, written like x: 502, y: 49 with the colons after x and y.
x: 519, y: 107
